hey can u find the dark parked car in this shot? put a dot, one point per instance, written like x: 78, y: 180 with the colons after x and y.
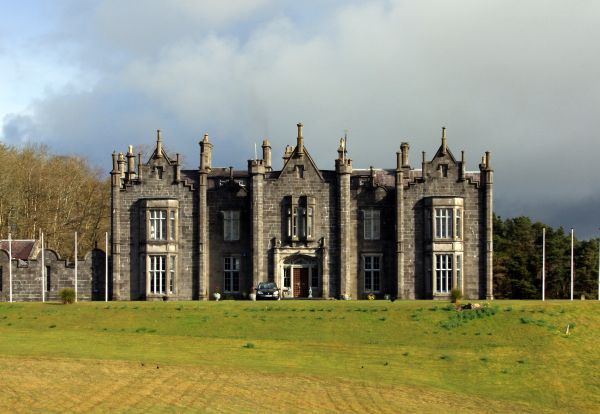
x: 267, y: 290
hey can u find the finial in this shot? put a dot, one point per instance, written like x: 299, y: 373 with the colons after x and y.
x: 158, y: 134
x: 205, y: 139
x: 341, y: 149
x: 130, y: 149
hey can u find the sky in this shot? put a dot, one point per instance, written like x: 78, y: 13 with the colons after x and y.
x: 517, y: 78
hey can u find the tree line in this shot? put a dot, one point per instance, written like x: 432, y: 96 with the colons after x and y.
x: 518, y: 261
x: 56, y: 194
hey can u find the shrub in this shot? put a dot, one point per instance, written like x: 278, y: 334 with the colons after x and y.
x: 67, y: 295
x: 455, y: 295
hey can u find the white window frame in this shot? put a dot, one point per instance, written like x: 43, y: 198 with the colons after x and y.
x: 288, y: 214
x: 231, y: 225
x: 299, y: 217
x: 459, y: 271
x: 231, y: 274
x: 172, y: 273
x: 372, y: 224
x: 157, y: 274
x: 295, y: 222
x: 371, y: 272
x: 287, y: 277
x: 458, y: 214
x: 443, y: 273
x: 444, y: 223
x: 172, y: 225
x: 157, y: 223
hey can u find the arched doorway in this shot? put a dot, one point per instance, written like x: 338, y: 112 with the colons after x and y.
x: 301, y: 277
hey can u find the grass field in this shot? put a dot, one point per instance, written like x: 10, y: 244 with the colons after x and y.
x: 299, y: 356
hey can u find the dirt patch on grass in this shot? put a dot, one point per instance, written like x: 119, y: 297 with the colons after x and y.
x: 67, y: 385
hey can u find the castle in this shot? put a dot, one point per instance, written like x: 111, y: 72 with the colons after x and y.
x: 341, y: 233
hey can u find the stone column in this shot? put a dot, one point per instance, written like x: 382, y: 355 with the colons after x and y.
x: 277, y: 277
x: 203, y: 241
x: 256, y: 170
x: 324, y: 271
x: 115, y: 225
x: 401, y: 158
x: 344, y: 169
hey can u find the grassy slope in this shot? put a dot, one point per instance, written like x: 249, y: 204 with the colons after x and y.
x: 315, y: 355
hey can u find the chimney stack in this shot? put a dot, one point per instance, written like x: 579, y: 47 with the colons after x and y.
x: 404, y: 147
x: 205, y: 154
x: 444, y: 145
x: 130, y: 163
x: 266, y: 147
x: 158, y: 144
x: 300, y: 145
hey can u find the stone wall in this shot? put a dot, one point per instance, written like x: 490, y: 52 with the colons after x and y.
x: 60, y: 274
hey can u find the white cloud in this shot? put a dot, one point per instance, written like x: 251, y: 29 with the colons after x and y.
x: 517, y: 78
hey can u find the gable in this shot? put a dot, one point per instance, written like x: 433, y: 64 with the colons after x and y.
x: 300, y: 166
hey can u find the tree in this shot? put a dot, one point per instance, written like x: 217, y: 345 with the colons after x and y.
x: 56, y: 194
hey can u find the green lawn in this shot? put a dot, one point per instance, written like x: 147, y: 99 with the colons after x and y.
x: 298, y: 356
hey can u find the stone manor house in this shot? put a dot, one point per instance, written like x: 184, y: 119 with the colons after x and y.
x: 410, y: 233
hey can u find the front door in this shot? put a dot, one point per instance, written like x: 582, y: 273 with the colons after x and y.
x: 301, y: 282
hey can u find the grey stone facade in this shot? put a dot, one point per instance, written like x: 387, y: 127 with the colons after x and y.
x: 403, y: 232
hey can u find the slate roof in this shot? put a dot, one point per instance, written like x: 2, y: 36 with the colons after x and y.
x: 21, y: 249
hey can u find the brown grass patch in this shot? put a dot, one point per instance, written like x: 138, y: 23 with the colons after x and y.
x: 69, y: 385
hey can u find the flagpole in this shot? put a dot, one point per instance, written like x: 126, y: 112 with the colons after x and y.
x: 571, y: 264
x: 10, y: 267
x: 43, y: 268
x: 106, y: 268
x: 75, y: 266
x: 543, y: 263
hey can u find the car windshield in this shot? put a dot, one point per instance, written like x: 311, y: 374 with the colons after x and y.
x: 267, y: 285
